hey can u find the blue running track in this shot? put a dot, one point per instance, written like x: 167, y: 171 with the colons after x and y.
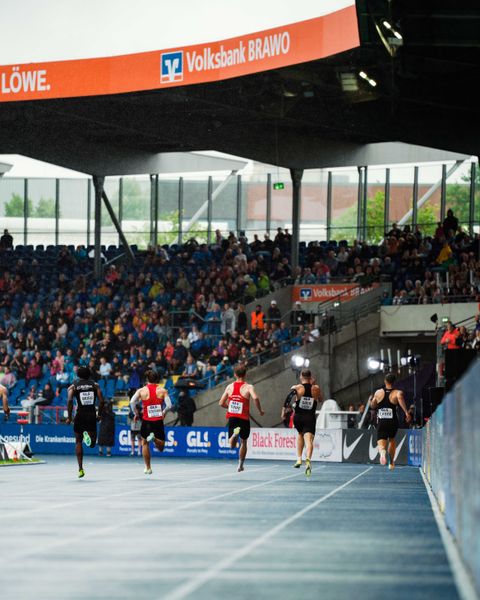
x: 197, y: 529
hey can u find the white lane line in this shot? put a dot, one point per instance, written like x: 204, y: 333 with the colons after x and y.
x: 196, y: 582
x: 462, y: 577
x: 72, y: 541
x: 26, y: 512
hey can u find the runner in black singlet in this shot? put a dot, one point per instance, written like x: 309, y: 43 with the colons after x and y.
x: 85, y: 392
x: 385, y: 401
x: 308, y: 394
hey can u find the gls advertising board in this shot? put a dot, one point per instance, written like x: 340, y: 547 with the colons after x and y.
x: 295, y: 43
x: 330, y: 445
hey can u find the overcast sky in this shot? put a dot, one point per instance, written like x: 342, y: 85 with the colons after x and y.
x: 42, y: 30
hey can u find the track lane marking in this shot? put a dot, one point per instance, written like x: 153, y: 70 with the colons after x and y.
x: 198, y: 581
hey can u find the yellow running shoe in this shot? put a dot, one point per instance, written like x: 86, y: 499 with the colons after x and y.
x: 298, y: 464
x: 81, y: 473
x: 308, y: 468
x: 86, y: 439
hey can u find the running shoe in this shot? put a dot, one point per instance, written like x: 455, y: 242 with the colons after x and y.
x: 298, y: 464
x: 236, y: 431
x: 81, y: 473
x: 147, y: 471
x: 308, y: 468
x: 383, y: 457
x: 391, y: 466
x: 240, y: 468
x: 150, y: 437
x: 87, y: 439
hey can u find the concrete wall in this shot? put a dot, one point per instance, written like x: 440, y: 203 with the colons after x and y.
x: 339, y: 365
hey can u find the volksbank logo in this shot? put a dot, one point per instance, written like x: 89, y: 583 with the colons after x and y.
x: 171, y: 66
x: 305, y: 293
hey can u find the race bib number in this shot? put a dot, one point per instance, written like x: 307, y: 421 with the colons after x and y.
x: 306, y: 403
x: 154, y: 410
x: 87, y: 398
x: 385, y: 413
x: 235, y: 407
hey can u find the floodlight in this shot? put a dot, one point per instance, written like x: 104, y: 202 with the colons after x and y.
x: 373, y: 364
x: 298, y: 362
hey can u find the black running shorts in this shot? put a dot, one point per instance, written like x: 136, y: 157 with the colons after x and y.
x: 244, y: 425
x: 386, y: 431
x: 85, y: 422
x: 155, y: 427
x: 305, y: 423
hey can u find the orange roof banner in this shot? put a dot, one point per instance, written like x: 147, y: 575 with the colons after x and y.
x: 291, y: 44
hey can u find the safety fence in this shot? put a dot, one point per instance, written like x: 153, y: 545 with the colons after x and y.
x: 451, y: 446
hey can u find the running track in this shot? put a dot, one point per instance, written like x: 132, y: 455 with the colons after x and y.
x: 197, y: 529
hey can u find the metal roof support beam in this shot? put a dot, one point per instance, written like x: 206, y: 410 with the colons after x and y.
x: 359, y: 203
x: 57, y: 209
x: 364, y: 205
x: 443, y: 195
x: 296, y: 175
x: 120, y: 205
x: 329, y: 206
x: 239, y: 205
x: 204, y: 206
x: 98, y: 183
x: 428, y: 194
x: 25, y: 211
x: 386, y: 214
x: 415, y: 199
x: 180, y: 210
x: 471, y: 211
x: 269, y: 204
x: 113, y: 216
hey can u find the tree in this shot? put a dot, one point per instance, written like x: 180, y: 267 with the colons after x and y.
x: 345, y: 226
x: 45, y: 209
x: 14, y: 206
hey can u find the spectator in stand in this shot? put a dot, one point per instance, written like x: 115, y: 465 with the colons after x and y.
x: 6, y: 241
x: 450, y: 223
x: 105, y: 368
x: 190, y: 371
x: 227, y: 320
x: 463, y: 339
x: 273, y: 313
x: 298, y: 317
x: 34, y: 373
x: 8, y: 379
x: 257, y: 319
x: 449, y: 338
x: 242, y: 321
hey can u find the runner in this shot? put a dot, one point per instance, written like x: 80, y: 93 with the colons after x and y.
x: 386, y: 400
x: 85, y: 391
x: 236, y: 399
x: 156, y: 402
x: 308, y: 395
x: 4, y: 395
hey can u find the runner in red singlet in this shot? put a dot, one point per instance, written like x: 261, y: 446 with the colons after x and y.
x: 236, y: 399
x: 155, y: 403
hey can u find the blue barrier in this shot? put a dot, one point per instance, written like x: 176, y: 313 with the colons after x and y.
x: 451, y: 447
x: 204, y: 442
x: 415, y: 438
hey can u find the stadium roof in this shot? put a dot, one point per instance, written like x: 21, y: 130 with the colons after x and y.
x: 317, y: 113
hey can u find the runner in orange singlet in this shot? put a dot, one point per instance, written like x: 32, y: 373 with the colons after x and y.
x: 236, y: 399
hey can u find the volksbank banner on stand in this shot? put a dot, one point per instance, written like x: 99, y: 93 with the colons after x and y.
x: 204, y: 442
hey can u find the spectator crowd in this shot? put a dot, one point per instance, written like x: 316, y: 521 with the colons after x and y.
x: 181, y: 309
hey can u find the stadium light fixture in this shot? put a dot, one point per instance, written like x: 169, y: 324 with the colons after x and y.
x: 298, y: 362
x: 375, y: 364
x: 368, y: 79
x: 392, y: 29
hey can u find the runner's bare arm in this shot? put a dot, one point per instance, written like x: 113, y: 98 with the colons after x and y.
x: 377, y: 397
x: 317, y: 393
x: 224, y: 399
x: 256, y: 399
x: 69, y: 405
x: 403, y: 406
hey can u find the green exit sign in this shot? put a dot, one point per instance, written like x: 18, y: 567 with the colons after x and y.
x: 278, y: 186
